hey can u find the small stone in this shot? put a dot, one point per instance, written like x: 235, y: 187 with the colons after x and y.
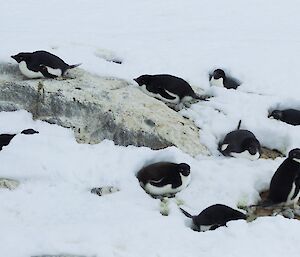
x: 288, y: 213
x: 105, y: 190
x: 297, y: 212
x: 10, y: 184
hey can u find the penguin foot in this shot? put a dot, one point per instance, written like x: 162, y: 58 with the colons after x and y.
x: 179, y: 202
x: 164, y: 206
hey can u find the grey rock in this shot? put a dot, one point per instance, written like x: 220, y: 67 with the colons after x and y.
x: 288, y: 213
x: 105, y: 190
x: 99, y: 108
x: 8, y: 183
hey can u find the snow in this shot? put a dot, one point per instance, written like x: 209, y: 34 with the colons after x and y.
x: 53, y: 211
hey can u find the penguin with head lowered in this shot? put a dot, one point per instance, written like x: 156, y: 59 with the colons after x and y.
x: 285, y: 183
x: 214, y: 216
x: 164, y: 179
x: 168, y: 88
x: 240, y: 143
x: 289, y: 116
x: 41, y: 64
x: 219, y: 79
x: 6, y: 138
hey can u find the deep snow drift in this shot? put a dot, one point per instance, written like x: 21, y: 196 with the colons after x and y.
x: 52, y: 211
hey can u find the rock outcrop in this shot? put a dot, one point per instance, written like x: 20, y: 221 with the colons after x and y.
x: 98, y: 108
x: 8, y: 183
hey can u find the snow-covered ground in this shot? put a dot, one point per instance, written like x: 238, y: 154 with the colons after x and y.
x: 53, y: 211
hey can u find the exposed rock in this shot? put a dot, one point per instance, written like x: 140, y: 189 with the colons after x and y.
x: 98, y: 108
x: 273, y: 210
x: 8, y: 183
x: 267, y: 153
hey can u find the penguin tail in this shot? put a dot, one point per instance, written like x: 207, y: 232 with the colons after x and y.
x: 239, y: 125
x: 186, y: 213
x: 74, y: 65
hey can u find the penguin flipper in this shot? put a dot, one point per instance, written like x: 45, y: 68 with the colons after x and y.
x: 158, y: 183
x: 164, y: 94
x: 46, y: 74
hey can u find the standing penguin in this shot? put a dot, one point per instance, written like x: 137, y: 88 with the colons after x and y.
x: 41, y: 64
x: 240, y: 143
x: 214, y: 216
x: 285, y: 183
x: 289, y: 116
x: 168, y: 88
x: 164, y: 179
x: 6, y: 138
x: 219, y: 79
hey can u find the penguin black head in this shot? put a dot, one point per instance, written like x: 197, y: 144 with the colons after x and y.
x: 184, y: 169
x: 295, y: 155
x: 20, y: 57
x: 251, y: 145
x: 218, y: 73
x: 276, y: 114
x: 143, y: 80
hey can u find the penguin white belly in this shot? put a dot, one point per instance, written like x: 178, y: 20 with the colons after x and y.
x: 246, y: 155
x: 29, y: 73
x: 167, y: 189
x: 216, y: 82
x: 204, y: 228
x: 55, y: 72
x: 158, y: 96
x: 295, y: 200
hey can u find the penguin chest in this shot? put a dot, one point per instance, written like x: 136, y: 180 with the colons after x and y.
x: 246, y: 155
x: 216, y: 82
x: 167, y: 188
x: 293, y: 196
x: 175, y: 98
x: 29, y: 73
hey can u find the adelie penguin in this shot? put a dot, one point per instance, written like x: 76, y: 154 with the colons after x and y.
x: 168, y: 88
x: 219, y: 79
x: 285, y: 183
x: 214, y: 216
x: 241, y: 143
x: 289, y: 116
x: 6, y: 138
x: 164, y: 179
x: 42, y: 64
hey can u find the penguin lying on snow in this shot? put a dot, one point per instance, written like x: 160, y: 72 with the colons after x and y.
x: 219, y: 79
x: 241, y: 143
x: 168, y: 88
x: 290, y: 116
x: 6, y: 138
x: 214, y: 216
x: 164, y: 178
x: 285, y: 183
x: 41, y: 64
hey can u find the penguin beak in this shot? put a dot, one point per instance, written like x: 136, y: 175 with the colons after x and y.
x: 14, y: 57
